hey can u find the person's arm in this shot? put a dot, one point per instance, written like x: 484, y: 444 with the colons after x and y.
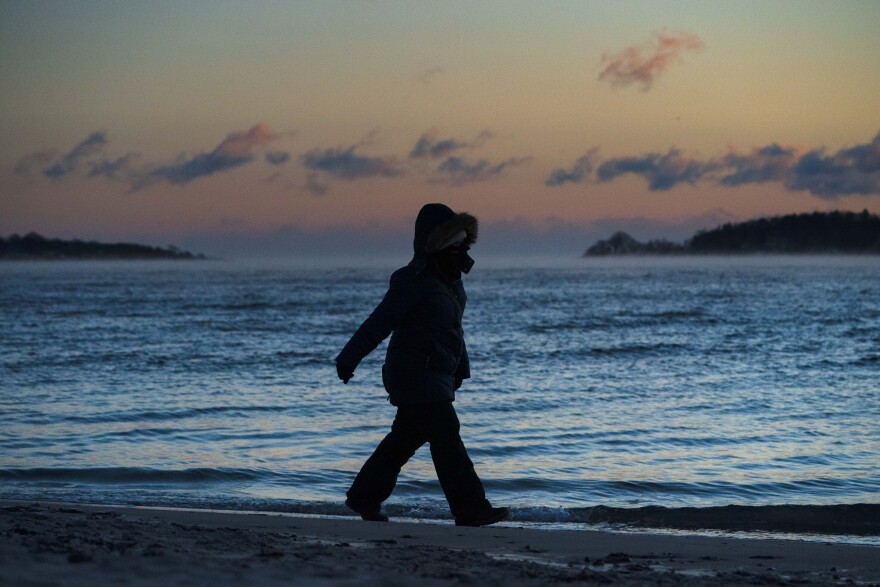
x: 399, y: 300
x: 464, y: 366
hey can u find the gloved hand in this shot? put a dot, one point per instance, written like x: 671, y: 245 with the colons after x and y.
x: 344, y: 372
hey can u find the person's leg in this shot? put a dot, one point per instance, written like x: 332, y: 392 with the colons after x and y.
x: 455, y: 470
x: 377, y: 477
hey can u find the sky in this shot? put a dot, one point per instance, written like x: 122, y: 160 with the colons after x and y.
x: 302, y: 127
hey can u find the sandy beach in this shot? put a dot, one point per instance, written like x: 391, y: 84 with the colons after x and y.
x: 60, y: 544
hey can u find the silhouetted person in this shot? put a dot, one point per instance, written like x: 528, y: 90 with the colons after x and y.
x: 425, y: 364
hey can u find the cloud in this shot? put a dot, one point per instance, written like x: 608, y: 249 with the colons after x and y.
x: 344, y: 163
x: 185, y: 170
x: 429, y: 147
x: 235, y: 150
x: 241, y: 143
x: 849, y: 171
x: 770, y: 163
x: 88, y: 153
x: 460, y: 171
x: 113, y: 169
x: 663, y: 171
x: 641, y: 64
x: 457, y: 170
x: 69, y: 163
x: 579, y: 172
x: 313, y: 186
x: 853, y: 171
x: 277, y: 157
x: 27, y: 164
x: 429, y: 74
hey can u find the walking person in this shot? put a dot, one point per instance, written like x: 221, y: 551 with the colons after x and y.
x: 425, y: 364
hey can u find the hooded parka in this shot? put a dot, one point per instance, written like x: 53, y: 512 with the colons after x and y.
x: 427, y: 358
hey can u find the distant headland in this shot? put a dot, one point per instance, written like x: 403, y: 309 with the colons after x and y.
x: 33, y: 246
x: 819, y: 232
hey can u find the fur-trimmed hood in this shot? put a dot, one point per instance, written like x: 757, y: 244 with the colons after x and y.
x: 438, y: 227
x: 461, y: 228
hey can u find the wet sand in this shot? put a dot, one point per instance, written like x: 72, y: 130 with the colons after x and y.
x: 57, y: 544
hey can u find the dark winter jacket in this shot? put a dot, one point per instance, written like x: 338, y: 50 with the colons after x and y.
x: 427, y: 358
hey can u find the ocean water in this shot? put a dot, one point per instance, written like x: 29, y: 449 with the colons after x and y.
x: 620, y: 383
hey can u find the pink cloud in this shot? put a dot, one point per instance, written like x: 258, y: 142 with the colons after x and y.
x: 641, y: 64
x: 241, y: 143
x: 238, y: 148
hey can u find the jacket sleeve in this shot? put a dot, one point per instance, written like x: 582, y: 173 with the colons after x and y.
x: 464, y: 364
x: 399, y: 300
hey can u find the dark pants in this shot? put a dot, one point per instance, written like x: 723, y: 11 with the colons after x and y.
x: 436, y: 424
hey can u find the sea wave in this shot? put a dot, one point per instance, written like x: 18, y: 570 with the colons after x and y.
x: 793, y: 520
x: 227, y: 411
x: 131, y: 475
x: 246, y: 488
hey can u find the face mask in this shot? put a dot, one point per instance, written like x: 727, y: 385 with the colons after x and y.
x: 463, y: 261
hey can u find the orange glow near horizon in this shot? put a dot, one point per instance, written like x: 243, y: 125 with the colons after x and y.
x: 136, y: 120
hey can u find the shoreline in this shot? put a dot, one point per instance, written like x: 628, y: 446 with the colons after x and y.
x: 58, y: 543
x: 845, y: 523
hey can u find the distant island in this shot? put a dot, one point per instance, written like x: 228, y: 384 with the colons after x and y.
x: 35, y: 246
x: 819, y: 232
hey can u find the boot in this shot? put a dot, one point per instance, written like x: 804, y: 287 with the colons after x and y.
x: 484, y: 518
x: 367, y: 516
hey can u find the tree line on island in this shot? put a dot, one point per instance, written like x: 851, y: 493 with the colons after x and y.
x: 35, y: 246
x: 819, y: 232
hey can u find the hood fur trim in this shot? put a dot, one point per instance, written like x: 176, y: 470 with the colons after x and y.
x: 448, y: 230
